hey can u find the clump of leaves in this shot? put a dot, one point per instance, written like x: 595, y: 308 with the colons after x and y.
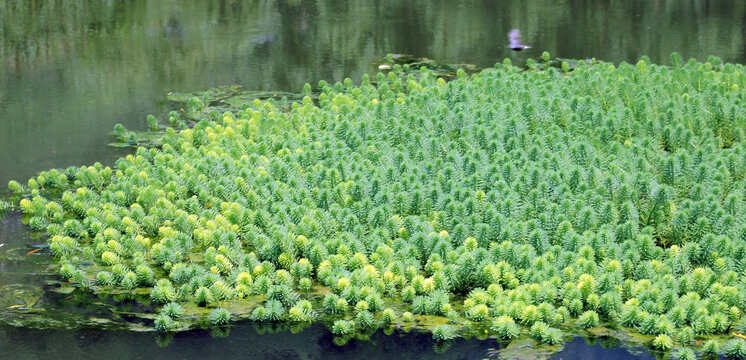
x: 535, y: 198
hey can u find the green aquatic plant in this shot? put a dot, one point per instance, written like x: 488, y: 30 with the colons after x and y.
x: 304, y: 284
x: 685, y: 335
x: 662, y: 342
x: 302, y: 311
x: 685, y: 354
x: 538, y: 329
x: 153, y: 123
x: 129, y: 282
x: 546, y: 334
x: 711, y: 348
x: 444, y: 333
x: 259, y: 314
x: 545, y: 198
x: 163, y: 291
x: 362, y: 305
x: 388, y: 315
x: 735, y: 349
x: 274, y: 310
x: 478, y: 312
x: 203, y: 296
x: 343, y: 327
x: 552, y: 336
x: 16, y: 187
x: 63, y: 245
x: 333, y: 304
x: 164, y: 323
x: 505, y: 328
x: 219, y: 316
x: 172, y: 310
x: 105, y: 278
x: 145, y: 275
x: 588, y: 319
x: 364, y: 319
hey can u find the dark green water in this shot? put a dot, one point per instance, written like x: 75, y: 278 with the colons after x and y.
x: 70, y: 70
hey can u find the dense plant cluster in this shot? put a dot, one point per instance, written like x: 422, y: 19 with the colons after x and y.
x: 508, y: 200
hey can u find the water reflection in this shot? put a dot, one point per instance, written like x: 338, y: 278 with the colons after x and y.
x: 247, y: 342
x: 240, y: 342
x: 605, y: 348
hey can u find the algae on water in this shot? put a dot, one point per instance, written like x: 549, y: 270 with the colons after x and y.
x: 508, y: 203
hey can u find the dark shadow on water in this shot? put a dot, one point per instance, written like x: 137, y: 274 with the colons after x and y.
x: 606, y: 349
x: 244, y: 342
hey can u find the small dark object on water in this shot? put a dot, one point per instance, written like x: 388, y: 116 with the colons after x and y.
x: 516, y: 44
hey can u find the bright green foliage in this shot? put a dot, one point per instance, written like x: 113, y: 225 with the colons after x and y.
x: 538, y: 329
x: 685, y: 336
x: 505, y: 327
x: 343, y: 327
x: 444, y: 333
x: 129, y: 282
x: 219, y: 316
x: 5, y: 207
x: 172, y: 310
x: 333, y: 304
x: 274, y: 310
x: 552, y: 336
x: 711, y: 348
x: 145, y: 275
x: 662, y: 342
x: 685, y: 354
x: 546, y: 334
x: 388, y: 315
x: 105, y: 278
x: 163, y: 292
x: 588, y: 319
x: 16, y: 187
x: 203, y: 296
x: 259, y: 313
x: 478, y: 312
x: 612, y: 193
x: 735, y: 349
x: 304, y: 284
x: 164, y: 323
x: 364, y: 319
x: 302, y: 311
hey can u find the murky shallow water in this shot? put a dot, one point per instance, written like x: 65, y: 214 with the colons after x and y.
x: 69, y: 71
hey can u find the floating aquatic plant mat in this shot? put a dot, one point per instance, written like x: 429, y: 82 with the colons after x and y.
x: 508, y: 203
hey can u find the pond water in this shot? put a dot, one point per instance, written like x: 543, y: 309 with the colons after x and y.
x: 69, y: 71
x: 244, y: 342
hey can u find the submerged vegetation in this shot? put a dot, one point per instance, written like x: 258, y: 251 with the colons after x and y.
x: 510, y: 203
